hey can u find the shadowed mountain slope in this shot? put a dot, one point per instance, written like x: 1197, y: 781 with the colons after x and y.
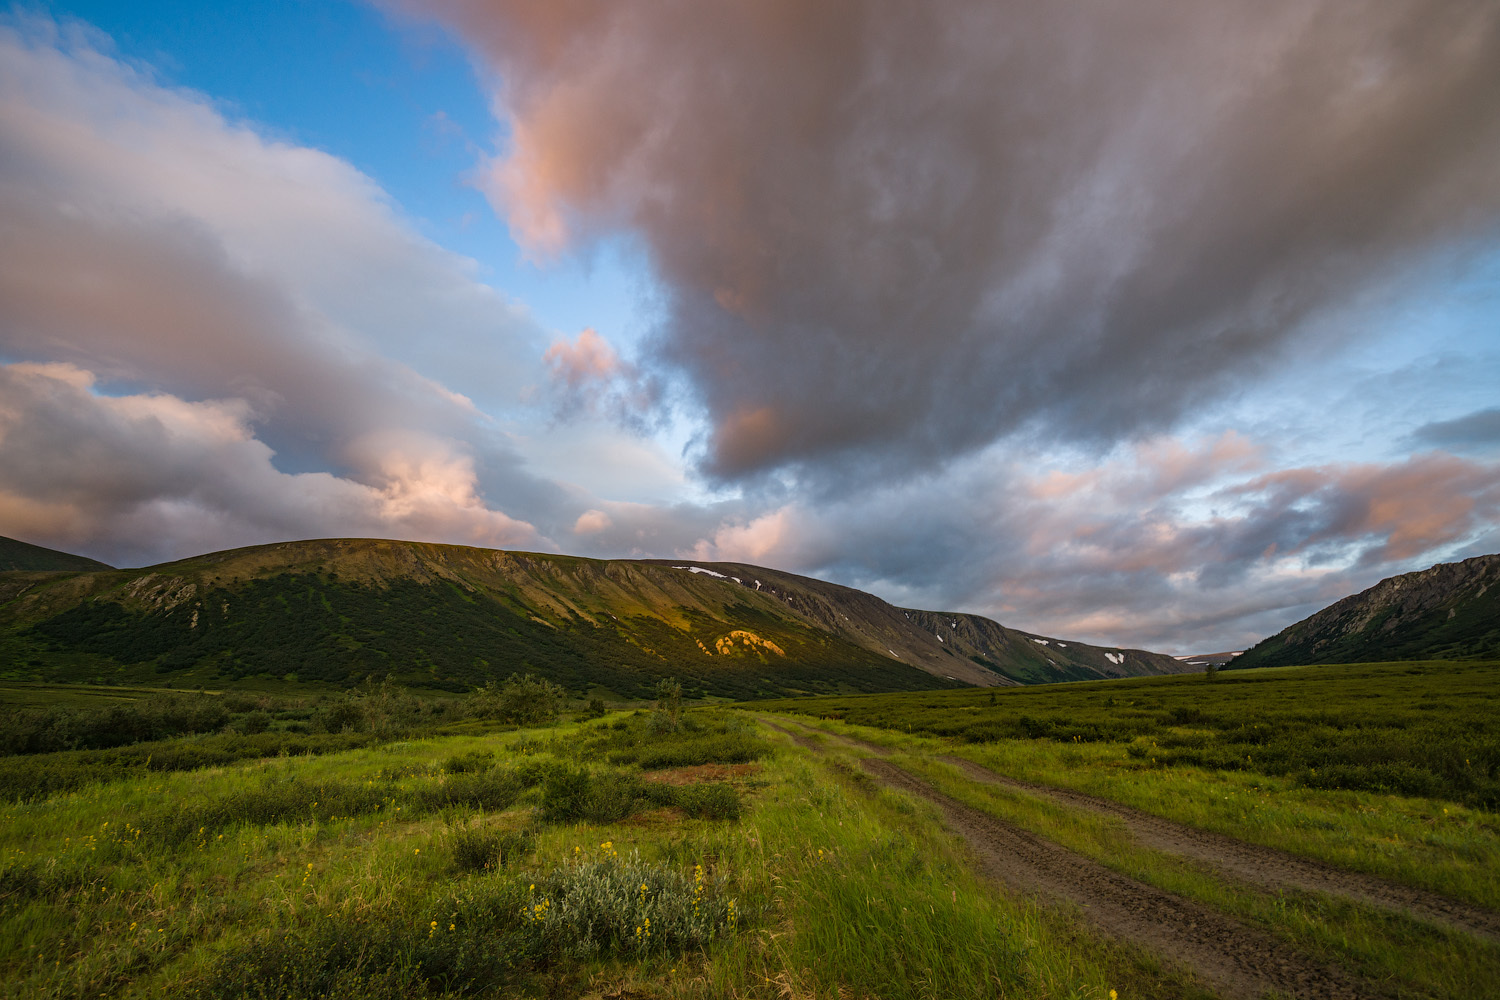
x: 23, y: 556
x: 1451, y: 611
x: 451, y: 617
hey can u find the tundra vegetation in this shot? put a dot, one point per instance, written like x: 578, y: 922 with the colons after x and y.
x: 385, y: 844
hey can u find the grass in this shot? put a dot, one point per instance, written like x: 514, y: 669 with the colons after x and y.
x: 1428, y: 843
x: 1374, y: 942
x: 460, y: 861
x: 1423, y: 729
x: 364, y: 871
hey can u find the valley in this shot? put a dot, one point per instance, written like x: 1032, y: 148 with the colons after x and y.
x: 818, y: 847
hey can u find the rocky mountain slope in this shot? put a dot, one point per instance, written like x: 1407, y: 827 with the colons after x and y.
x: 451, y: 617
x: 1451, y: 611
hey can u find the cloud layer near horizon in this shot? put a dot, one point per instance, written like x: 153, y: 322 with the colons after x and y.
x: 893, y: 233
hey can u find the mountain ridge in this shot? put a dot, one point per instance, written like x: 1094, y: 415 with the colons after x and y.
x: 447, y: 616
x: 19, y: 556
x: 1447, y: 611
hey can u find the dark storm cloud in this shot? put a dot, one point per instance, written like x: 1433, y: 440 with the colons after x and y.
x: 1479, y: 430
x: 892, y: 232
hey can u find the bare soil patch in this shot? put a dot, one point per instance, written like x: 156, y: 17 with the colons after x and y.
x: 700, y: 772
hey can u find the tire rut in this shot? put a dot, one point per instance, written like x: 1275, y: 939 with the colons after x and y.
x: 804, y: 741
x: 1257, y: 865
x: 1237, y: 960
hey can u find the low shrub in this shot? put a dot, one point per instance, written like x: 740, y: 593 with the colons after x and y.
x: 490, y: 849
x: 493, y: 790
x: 478, y: 760
x: 478, y: 946
x: 714, y: 800
x: 622, y: 906
x: 25, y: 779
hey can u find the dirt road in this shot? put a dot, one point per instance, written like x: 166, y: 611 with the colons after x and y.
x: 1265, y: 867
x: 1236, y: 960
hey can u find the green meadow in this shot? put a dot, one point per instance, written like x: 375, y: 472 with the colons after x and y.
x: 379, y: 844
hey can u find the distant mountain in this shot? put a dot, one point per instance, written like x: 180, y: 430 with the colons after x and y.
x: 451, y: 617
x: 18, y: 555
x: 1201, y: 660
x: 1451, y: 611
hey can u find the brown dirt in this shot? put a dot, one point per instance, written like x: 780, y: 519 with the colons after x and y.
x: 849, y: 741
x: 701, y: 772
x: 1237, y: 960
x: 800, y: 738
x: 1263, y: 866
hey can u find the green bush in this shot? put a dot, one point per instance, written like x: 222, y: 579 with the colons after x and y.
x: 478, y: 760
x: 489, y: 849
x: 253, y: 722
x: 395, y: 956
x: 492, y: 790
x: 523, y: 700
x: 715, y: 800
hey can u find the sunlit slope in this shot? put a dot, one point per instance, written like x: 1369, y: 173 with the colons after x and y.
x: 443, y: 616
x: 969, y: 648
x: 1451, y: 611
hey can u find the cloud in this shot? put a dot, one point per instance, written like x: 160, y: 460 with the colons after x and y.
x: 1478, y: 431
x: 591, y: 522
x: 129, y: 477
x: 1170, y: 544
x: 156, y: 253
x: 893, y: 234
x: 589, y: 376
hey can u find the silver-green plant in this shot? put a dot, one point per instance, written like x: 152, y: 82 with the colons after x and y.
x: 600, y: 903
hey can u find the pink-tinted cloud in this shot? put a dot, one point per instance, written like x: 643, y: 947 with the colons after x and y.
x: 130, y: 477
x: 190, y: 266
x: 588, y: 376
x: 891, y: 234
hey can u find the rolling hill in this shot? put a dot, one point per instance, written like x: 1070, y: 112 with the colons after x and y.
x: 18, y: 555
x: 1451, y: 611
x: 451, y: 617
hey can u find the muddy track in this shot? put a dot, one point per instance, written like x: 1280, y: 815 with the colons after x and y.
x: 803, y: 741
x: 1263, y: 866
x: 1251, y: 863
x: 1237, y: 960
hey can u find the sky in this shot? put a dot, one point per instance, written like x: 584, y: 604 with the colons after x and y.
x: 1145, y: 325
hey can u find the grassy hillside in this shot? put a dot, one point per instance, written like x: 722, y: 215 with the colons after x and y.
x: 447, y: 617
x: 1450, y: 611
x: 23, y: 556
